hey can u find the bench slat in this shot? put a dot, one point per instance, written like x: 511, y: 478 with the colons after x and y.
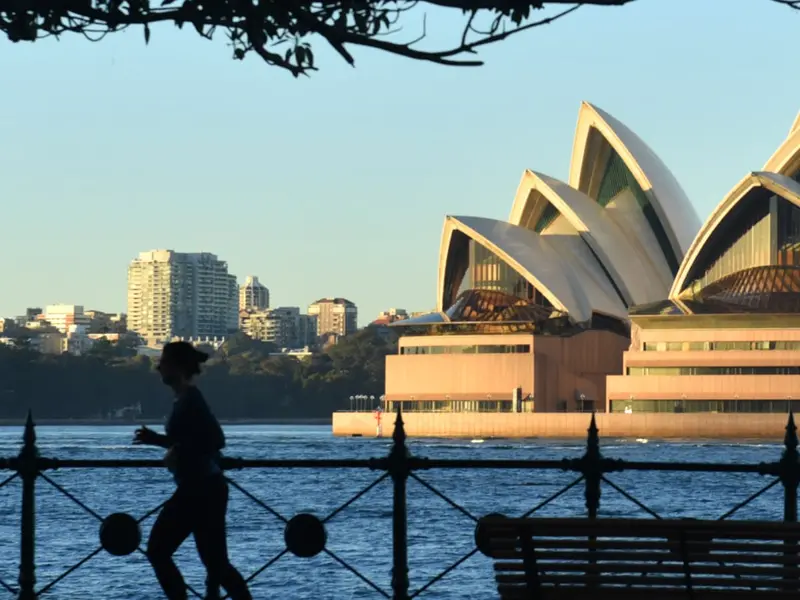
x: 607, y: 580
x: 696, y: 569
x: 642, y: 528
x: 739, y: 558
x: 664, y: 545
x: 637, y: 594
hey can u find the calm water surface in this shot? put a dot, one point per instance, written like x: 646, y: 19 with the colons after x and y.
x: 360, y: 535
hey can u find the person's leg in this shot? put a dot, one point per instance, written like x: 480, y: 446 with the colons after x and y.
x: 171, y: 528
x: 210, y: 536
x: 212, y: 589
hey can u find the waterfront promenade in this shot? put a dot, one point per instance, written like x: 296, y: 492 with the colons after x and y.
x: 357, y: 518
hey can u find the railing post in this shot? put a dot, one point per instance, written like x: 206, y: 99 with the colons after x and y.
x: 398, y: 467
x: 790, y: 471
x: 28, y: 470
x: 593, y: 469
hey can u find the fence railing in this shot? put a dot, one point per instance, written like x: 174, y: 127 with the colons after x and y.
x: 305, y: 534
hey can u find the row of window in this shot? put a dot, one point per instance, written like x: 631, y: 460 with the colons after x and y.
x: 713, y: 370
x: 506, y: 406
x: 704, y: 406
x: 483, y: 349
x: 706, y: 346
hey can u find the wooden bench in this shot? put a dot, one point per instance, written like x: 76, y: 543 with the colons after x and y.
x: 555, y: 559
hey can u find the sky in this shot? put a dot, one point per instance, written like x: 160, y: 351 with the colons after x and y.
x: 338, y: 184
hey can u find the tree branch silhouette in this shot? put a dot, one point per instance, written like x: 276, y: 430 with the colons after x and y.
x: 281, y: 31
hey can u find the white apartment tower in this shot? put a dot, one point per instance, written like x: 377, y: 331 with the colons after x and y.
x: 253, y: 295
x: 176, y: 294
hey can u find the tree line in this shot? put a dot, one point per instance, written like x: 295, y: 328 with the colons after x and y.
x: 242, y: 380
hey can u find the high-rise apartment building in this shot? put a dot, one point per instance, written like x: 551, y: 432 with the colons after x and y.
x: 336, y: 316
x: 253, y: 295
x: 175, y: 294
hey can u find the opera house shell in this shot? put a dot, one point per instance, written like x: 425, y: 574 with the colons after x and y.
x: 533, y: 312
x: 726, y: 339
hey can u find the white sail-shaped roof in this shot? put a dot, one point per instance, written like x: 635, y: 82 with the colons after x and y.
x: 786, y: 159
x: 778, y: 184
x: 667, y: 212
x: 561, y: 268
x: 616, y: 246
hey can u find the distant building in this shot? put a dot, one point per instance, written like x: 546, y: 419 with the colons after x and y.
x: 103, y: 322
x: 307, y: 331
x: 76, y: 340
x: 253, y: 295
x: 390, y: 316
x: 46, y: 343
x: 283, y: 326
x: 63, y: 316
x: 214, y: 343
x: 335, y: 316
x: 6, y: 324
x: 298, y: 353
x: 175, y: 294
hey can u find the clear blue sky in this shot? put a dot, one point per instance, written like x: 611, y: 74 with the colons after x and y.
x: 338, y: 184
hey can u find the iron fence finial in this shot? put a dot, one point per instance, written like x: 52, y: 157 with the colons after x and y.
x: 29, y: 435
x: 790, y: 441
x: 592, y: 468
x: 399, y: 433
x: 593, y: 439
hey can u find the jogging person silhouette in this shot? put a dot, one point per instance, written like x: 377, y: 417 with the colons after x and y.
x: 194, y: 440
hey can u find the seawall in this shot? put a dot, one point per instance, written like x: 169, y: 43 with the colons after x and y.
x: 568, y: 425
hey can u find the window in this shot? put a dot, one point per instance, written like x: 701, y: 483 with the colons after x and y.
x: 719, y: 346
x: 482, y: 349
x: 672, y: 371
x: 704, y: 406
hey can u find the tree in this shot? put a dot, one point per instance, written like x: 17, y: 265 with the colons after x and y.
x: 279, y: 31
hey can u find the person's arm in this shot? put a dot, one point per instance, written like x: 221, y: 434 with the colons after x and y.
x: 147, y: 437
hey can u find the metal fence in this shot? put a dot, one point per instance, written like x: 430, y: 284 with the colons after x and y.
x: 305, y: 534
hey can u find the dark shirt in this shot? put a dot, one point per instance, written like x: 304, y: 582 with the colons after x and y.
x: 196, y: 438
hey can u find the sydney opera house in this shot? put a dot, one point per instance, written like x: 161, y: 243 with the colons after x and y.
x: 606, y: 293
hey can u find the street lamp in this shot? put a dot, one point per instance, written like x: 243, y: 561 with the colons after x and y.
x: 352, y: 398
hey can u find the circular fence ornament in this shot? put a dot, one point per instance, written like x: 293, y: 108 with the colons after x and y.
x: 305, y: 535
x: 482, y: 540
x: 120, y: 534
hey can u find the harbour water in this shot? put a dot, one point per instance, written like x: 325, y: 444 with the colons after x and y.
x: 361, y: 534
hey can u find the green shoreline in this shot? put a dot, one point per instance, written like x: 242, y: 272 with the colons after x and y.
x: 134, y: 422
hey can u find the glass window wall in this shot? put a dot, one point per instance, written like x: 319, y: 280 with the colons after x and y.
x: 618, y: 179
x: 705, y: 406
x: 481, y: 349
x: 672, y: 371
x: 718, y: 346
